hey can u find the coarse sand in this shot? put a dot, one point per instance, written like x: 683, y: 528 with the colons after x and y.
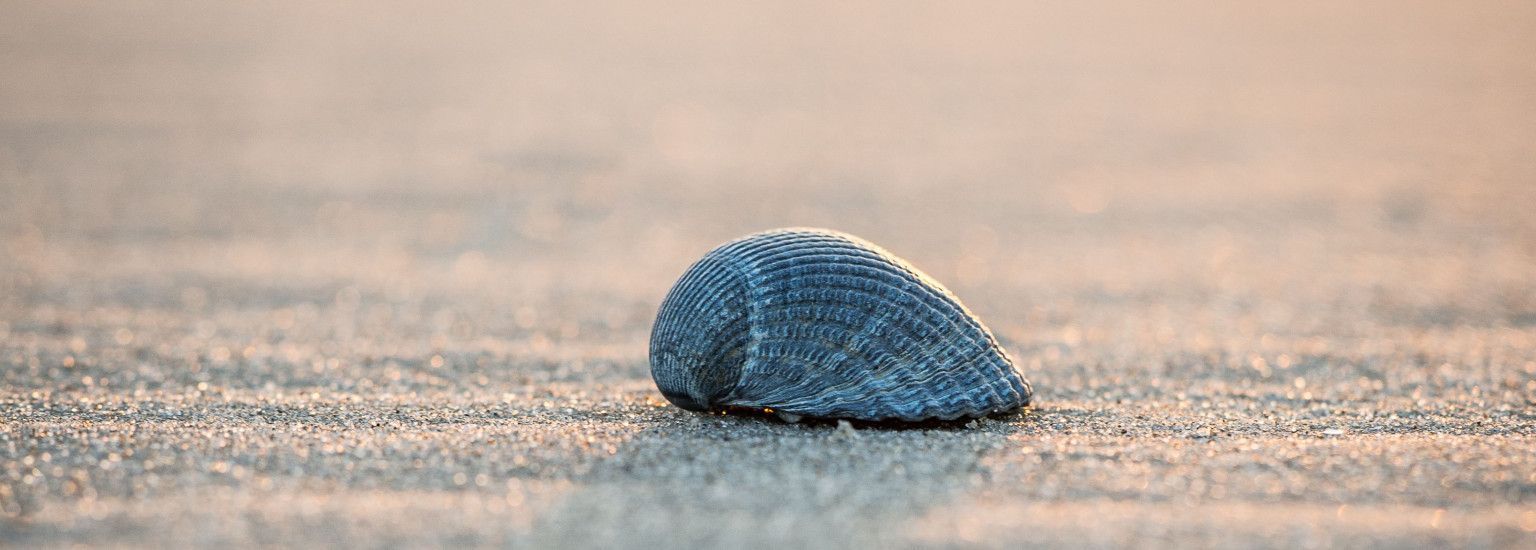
x: 299, y: 274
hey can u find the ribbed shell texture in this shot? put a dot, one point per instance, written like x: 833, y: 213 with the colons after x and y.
x: 817, y: 323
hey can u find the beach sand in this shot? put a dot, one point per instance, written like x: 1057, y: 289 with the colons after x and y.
x: 294, y: 274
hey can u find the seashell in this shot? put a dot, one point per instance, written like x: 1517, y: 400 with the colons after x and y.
x: 817, y: 323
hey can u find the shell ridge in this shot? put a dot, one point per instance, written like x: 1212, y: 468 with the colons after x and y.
x: 941, y: 306
x: 873, y: 350
x: 699, y: 302
x: 835, y: 356
x: 769, y: 359
x: 948, y: 358
x: 939, y: 310
x: 823, y: 323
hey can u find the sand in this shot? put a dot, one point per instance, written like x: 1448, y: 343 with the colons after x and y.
x: 300, y: 274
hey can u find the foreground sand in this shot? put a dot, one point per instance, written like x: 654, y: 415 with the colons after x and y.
x: 288, y: 275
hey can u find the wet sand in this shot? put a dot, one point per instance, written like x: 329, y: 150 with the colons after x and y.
x: 288, y: 275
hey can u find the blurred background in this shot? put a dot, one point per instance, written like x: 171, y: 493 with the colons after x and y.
x: 510, y: 170
x: 1371, y: 160
x: 1311, y: 199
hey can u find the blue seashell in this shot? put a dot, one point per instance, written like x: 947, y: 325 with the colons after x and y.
x: 817, y: 323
